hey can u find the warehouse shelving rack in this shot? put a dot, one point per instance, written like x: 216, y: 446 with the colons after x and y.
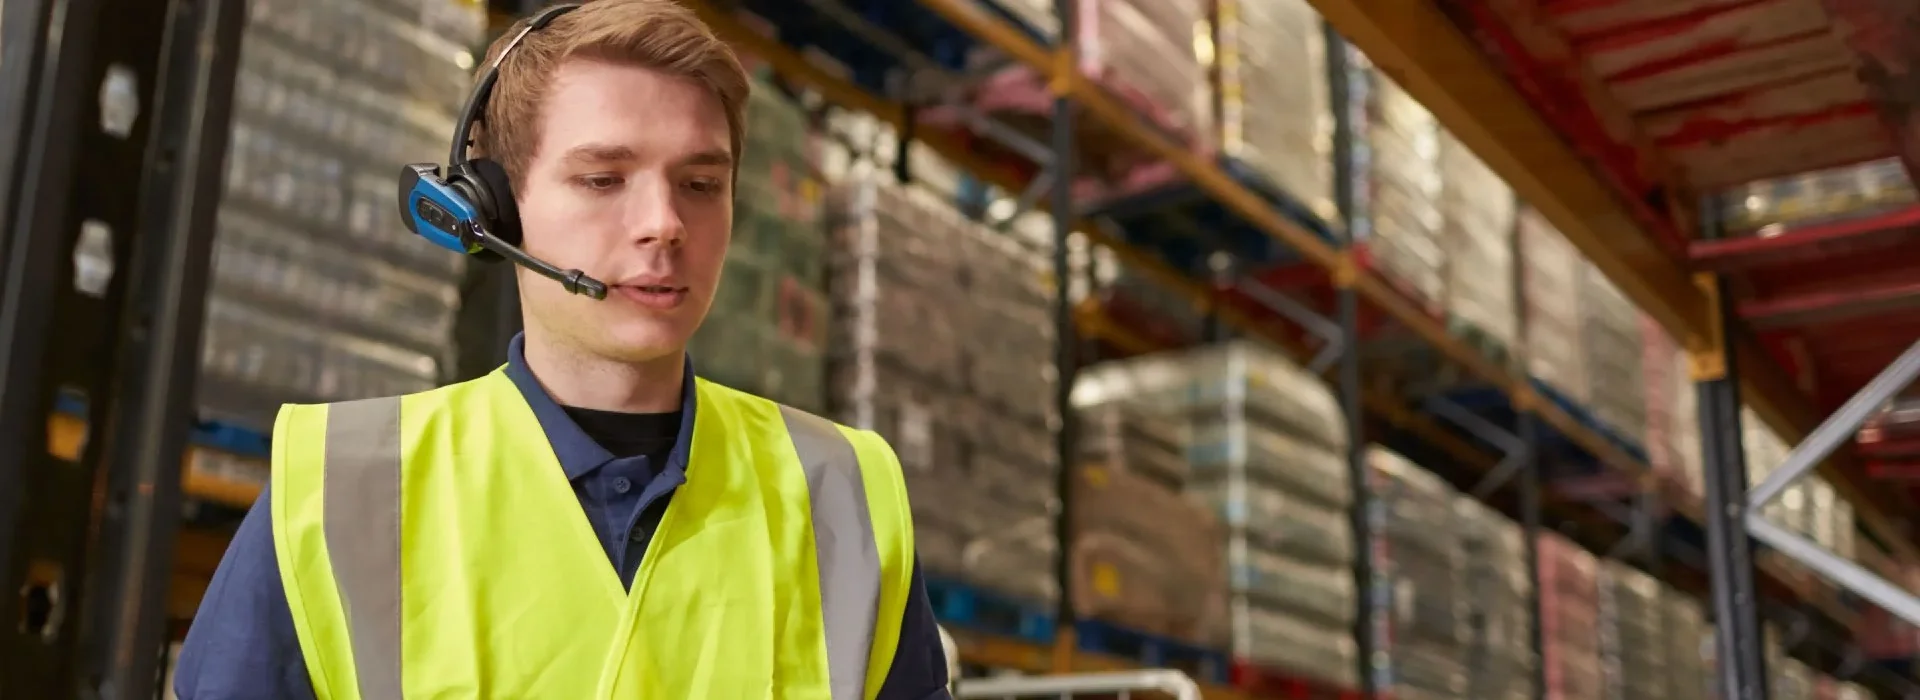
x: 1832, y: 300
x: 1677, y: 303
x: 116, y: 118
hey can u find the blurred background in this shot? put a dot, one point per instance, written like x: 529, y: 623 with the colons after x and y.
x: 1404, y: 366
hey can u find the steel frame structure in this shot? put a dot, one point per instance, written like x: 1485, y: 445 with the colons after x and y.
x: 117, y: 113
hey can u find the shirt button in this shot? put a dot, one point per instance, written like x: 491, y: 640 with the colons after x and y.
x: 622, y: 485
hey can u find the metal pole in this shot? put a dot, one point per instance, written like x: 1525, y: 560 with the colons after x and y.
x: 1736, y: 610
x: 48, y: 57
x: 1066, y: 351
x: 1367, y: 630
x: 159, y: 343
x: 1840, y: 427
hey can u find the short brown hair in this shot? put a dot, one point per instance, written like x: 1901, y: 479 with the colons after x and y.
x: 659, y: 34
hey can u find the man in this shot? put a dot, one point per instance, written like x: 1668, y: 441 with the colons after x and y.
x: 456, y: 543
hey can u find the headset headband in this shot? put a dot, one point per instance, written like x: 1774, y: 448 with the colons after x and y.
x: 483, y: 88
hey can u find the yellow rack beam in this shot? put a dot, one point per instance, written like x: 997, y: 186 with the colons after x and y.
x: 1417, y: 45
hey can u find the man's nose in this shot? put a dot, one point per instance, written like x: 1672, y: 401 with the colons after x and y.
x: 652, y: 217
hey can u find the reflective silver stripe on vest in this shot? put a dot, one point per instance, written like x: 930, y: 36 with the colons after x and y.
x: 362, y: 501
x: 843, y: 544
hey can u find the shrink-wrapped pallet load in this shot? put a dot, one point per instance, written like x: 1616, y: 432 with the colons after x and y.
x: 1136, y: 440
x: 979, y: 456
x: 1477, y: 210
x: 1610, y: 340
x: 1570, y: 622
x: 766, y: 330
x: 1147, y: 558
x: 1659, y: 362
x: 1499, y: 658
x: 1403, y: 230
x: 1822, y: 195
x: 1633, y: 634
x: 1275, y: 108
x: 319, y: 293
x: 1685, y: 423
x: 1686, y: 636
x: 1153, y: 55
x: 1550, y: 294
x: 1421, y: 555
x: 1266, y: 445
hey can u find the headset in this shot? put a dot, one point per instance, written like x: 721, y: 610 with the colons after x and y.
x: 471, y: 210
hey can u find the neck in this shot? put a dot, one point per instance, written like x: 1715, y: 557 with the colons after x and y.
x: 581, y: 380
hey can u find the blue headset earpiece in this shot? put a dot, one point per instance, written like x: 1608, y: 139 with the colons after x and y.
x: 469, y: 209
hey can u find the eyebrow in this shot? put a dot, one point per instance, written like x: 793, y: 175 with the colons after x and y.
x: 611, y: 153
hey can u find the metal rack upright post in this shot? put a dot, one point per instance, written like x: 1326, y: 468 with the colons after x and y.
x: 111, y: 180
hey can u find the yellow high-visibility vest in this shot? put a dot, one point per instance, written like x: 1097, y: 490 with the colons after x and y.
x: 431, y: 547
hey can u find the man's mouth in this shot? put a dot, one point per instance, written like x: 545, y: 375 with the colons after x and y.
x: 655, y: 296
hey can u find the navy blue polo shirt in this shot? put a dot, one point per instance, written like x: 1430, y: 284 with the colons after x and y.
x: 242, y: 645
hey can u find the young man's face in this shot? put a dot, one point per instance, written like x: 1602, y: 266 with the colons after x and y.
x: 631, y: 182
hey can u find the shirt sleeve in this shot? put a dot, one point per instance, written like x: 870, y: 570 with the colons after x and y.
x: 919, y: 669
x: 242, y: 645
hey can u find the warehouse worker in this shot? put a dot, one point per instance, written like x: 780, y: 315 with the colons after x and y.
x: 456, y: 543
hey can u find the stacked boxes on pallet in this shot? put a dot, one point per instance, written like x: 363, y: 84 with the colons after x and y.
x: 1673, y: 419
x: 1275, y: 109
x: 1477, y: 210
x: 1610, y: 339
x: 1809, y: 506
x: 972, y: 421
x: 1550, y: 292
x: 1499, y: 658
x: 1826, y: 194
x: 1686, y: 636
x: 1423, y: 562
x: 766, y: 331
x: 1570, y: 609
x: 1403, y: 233
x: 319, y: 293
x: 1265, y: 445
x: 1633, y: 634
x: 1147, y: 53
x: 1144, y: 557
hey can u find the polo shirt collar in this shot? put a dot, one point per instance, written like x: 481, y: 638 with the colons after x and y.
x: 578, y: 453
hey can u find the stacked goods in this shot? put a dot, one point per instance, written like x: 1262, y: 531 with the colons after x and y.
x: 1134, y: 439
x: 1570, y: 620
x: 1633, y: 634
x: 1792, y: 680
x: 1478, y: 209
x: 1146, y: 558
x: 1422, y: 558
x: 977, y: 445
x: 1610, y: 341
x: 319, y: 293
x: 1265, y: 447
x: 1499, y: 658
x: 1686, y: 637
x: 766, y: 331
x: 1275, y: 114
x: 1838, y: 690
x: 1658, y: 365
x: 1809, y: 506
x: 1684, y: 439
x: 1151, y: 54
x: 1852, y: 190
x: 1404, y: 186
x: 1550, y: 294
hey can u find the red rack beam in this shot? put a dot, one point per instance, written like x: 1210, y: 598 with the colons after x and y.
x: 1803, y: 244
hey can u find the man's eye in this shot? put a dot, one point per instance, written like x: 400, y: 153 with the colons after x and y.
x: 598, y: 182
x: 706, y: 186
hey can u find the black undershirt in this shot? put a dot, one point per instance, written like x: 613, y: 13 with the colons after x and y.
x: 631, y: 434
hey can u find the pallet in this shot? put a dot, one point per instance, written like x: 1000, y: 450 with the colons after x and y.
x: 1264, y: 682
x: 1152, y: 651
x: 966, y: 606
